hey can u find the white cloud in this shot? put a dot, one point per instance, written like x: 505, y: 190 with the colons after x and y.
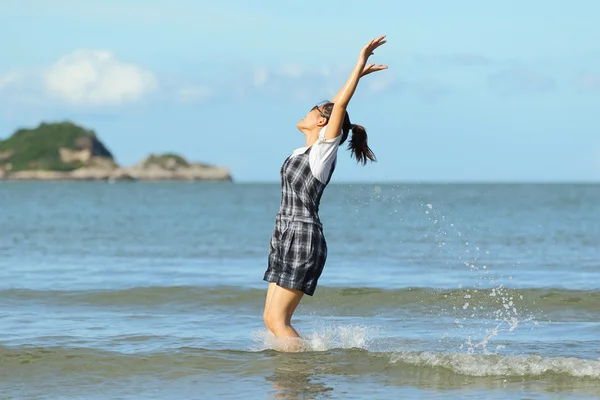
x: 293, y: 70
x: 520, y: 80
x: 293, y: 81
x: 426, y: 89
x: 96, y: 77
x: 379, y: 82
x: 298, y: 82
x: 588, y: 82
x: 195, y: 93
x: 9, y: 79
x: 261, y: 75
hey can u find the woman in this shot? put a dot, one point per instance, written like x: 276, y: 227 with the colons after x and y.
x: 298, y: 249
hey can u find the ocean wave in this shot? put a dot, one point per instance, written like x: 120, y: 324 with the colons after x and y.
x: 57, y: 361
x: 506, y: 365
x: 500, y: 300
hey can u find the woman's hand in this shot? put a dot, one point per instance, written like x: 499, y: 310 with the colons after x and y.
x: 341, y: 100
x: 372, y: 68
x: 368, y: 50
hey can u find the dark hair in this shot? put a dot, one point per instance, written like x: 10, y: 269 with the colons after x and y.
x: 358, y: 143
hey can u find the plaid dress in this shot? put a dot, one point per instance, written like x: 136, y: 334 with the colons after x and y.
x: 297, y: 251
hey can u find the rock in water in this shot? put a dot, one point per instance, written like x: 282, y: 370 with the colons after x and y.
x: 60, y: 146
x: 56, y: 151
x: 65, y: 151
x: 174, y: 167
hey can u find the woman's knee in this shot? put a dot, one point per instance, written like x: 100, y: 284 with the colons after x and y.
x: 266, y: 319
x: 275, y: 320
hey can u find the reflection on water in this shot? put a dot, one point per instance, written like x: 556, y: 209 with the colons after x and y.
x: 298, y: 376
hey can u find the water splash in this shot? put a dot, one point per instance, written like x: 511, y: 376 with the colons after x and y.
x: 326, y: 338
x: 499, y: 308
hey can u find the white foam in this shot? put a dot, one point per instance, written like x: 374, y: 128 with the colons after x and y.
x: 494, y: 365
x: 327, y: 338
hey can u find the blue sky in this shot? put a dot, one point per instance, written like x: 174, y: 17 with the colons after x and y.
x: 475, y: 91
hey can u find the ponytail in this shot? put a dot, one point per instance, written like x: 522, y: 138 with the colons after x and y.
x: 358, y: 145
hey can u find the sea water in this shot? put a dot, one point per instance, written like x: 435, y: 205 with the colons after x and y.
x: 137, y: 290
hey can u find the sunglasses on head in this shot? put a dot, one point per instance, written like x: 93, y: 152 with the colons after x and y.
x: 320, y: 112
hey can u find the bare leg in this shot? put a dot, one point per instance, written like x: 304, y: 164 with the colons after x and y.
x: 270, y: 291
x: 279, y: 308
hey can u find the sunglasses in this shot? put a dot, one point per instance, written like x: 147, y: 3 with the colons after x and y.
x: 320, y: 112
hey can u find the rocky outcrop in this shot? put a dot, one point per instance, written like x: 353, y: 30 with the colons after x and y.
x: 175, y: 167
x: 5, y: 155
x: 81, y: 174
x: 65, y: 151
x: 58, y: 147
x: 141, y: 171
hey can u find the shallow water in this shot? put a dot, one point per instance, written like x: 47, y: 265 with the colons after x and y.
x: 155, y: 291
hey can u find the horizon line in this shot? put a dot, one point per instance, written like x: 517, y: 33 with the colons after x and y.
x: 441, y: 182
x: 337, y: 183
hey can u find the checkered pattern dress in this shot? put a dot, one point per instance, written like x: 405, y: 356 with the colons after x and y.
x: 297, y: 251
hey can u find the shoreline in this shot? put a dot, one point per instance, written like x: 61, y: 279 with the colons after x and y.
x: 191, y: 172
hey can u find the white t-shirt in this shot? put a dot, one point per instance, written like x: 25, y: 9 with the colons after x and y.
x: 322, y: 155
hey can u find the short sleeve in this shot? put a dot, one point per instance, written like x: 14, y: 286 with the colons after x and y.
x: 322, y: 155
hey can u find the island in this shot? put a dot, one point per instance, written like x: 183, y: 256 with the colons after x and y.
x: 67, y: 151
